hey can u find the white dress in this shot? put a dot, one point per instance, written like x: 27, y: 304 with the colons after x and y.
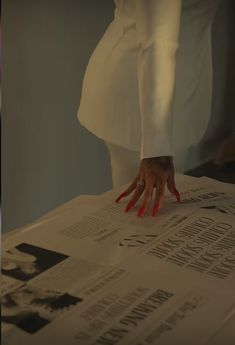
x: 148, y: 83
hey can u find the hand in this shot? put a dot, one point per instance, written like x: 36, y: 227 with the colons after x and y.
x: 154, y: 173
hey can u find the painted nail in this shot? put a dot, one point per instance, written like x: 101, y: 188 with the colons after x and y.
x: 177, y: 194
x: 120, y: 197
x: 129, y: 206
x: 155, y: 210
x: 141, y: 211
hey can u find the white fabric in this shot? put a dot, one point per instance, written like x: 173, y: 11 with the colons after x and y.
x: 141, y: 92
x: 124, y: 164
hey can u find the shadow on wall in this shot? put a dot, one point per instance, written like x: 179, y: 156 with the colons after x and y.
x: 223, y: 106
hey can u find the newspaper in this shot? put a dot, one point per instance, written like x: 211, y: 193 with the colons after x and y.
x: 90, y: 273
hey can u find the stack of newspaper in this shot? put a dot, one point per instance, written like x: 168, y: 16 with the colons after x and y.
x: 90, y: 273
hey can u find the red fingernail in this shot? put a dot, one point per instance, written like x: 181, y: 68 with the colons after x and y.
x: 120, y: 197
x: 155, y: 210
x: 129, y: 206
x: 177, y: 194
x: 141, y: 211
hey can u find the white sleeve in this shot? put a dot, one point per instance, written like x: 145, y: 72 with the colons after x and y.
x: 157, y: 26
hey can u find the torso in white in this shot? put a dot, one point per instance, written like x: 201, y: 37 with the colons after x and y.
x: 148, y: 83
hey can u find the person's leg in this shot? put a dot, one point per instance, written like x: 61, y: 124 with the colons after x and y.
x: 124, y: 164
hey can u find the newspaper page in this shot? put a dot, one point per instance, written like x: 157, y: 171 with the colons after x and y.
x: 102, y: 230
x: 138, y: 309
x: 203, y: 247
x: 59, y: 269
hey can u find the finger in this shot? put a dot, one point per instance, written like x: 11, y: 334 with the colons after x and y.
x: 147, y: 198
x: 136, y: 195
x: 177, y: 195
x: 120, y: 197
x: 171, y: 185
x: 159, y: 195
x: 171, y: 181
x: 128, y: 190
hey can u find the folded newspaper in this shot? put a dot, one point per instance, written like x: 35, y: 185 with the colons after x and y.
x: 88, y: 273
